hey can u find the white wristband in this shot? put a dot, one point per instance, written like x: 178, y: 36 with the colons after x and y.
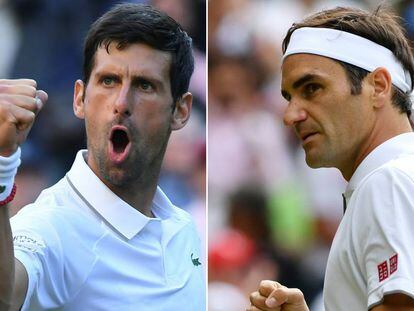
x: 8, y: 170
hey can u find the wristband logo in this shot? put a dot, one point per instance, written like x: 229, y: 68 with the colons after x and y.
x: 2, y: 189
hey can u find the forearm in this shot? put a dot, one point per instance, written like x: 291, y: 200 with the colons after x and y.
x: 6, y: 260
x: 20, y: 101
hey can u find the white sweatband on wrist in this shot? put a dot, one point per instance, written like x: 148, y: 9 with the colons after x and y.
x: 351, y: 49
x: 8, y: 170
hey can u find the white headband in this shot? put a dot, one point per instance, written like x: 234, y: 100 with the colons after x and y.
x: 349, y: 48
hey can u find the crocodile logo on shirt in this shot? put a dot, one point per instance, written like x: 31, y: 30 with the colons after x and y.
x: 196, y: 261
x: 2, y: 188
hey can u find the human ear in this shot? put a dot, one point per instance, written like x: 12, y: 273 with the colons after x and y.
x: 78, y: 99
x: 382, y: 86
x: 182, y: 111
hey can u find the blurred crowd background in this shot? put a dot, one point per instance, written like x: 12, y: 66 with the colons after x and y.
x: 43, y: 40
x: 270, y: 216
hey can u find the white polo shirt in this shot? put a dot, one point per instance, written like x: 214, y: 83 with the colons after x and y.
x: 86, y: 249
x: 373, y: 250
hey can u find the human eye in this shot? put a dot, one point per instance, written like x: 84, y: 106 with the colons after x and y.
x: 108, y: 81
x: 145, y: 85
x: 310, y: 89
x: 286, y: 95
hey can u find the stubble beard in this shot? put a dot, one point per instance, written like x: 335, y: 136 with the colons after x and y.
x: 139, y: 169
x: 123, y: 175
x: 322, y: 156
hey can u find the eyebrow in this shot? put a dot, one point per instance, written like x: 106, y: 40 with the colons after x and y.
x: 134, y: 79
x: 298, y: 83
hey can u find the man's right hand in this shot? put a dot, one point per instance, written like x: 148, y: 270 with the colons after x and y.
x: 20, y: 101
x: 272, y: 296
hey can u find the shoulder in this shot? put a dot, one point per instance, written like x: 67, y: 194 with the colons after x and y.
x: 56, y: 216
x: 398, y: 168
x: 383, y: 204
x: 392, y: 183
x: 54, y: 230
x: 384, y: 200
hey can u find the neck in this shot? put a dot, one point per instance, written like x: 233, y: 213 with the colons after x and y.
x: 139, y: 192
x: 139, y: 195
x: 383, y: 129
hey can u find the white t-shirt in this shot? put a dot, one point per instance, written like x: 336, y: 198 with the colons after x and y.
x: 86, y: 249
x: 373, y: 250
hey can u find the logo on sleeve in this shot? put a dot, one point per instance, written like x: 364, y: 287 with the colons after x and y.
x: 28, y: 243
x: 393, y: 263
x: 383, y: 271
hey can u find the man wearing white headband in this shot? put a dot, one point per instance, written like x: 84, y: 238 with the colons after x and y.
x: 347, y: 75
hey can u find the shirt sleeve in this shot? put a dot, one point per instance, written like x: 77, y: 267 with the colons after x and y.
x: 38, y: 247
x: 57, y: 261
x: 387, y: 239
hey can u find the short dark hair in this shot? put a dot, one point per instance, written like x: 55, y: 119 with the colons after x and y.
x: 382, y: 27
x: 128, y: 23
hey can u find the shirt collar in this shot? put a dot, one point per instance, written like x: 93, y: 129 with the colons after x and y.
x: 388, y: 150
x: 117, y: 213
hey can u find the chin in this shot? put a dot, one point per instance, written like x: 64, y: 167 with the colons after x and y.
x: 315, y: 161
x: 313, y: 164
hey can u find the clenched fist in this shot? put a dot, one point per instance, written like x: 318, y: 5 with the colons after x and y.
x: 272, y: 296
x: 20, y: 102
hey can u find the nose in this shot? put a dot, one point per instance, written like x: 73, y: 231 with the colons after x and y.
x: 123, y: 105
x: 293, y: 114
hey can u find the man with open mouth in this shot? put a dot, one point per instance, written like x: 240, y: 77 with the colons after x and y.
x: 105, y: 237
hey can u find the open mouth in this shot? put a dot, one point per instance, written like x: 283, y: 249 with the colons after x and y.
x: 120, y: 140
x: 120, y: 144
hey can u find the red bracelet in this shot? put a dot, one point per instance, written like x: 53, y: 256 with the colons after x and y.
x: 10, y: 197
